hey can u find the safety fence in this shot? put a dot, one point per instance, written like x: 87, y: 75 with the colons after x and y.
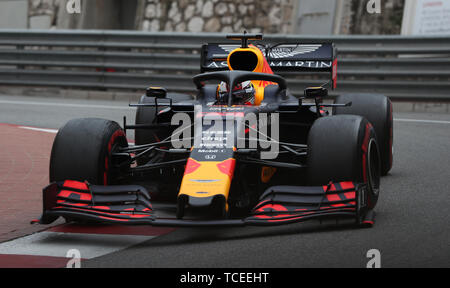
x: 403, y: 68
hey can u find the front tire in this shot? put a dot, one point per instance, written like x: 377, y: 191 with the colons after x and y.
x: 344, y: 148
x: 82, y: 151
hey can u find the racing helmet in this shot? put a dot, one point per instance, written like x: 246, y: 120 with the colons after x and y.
x: 243, y: 93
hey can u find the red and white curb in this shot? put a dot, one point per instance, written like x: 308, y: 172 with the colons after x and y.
x: 49, y: 249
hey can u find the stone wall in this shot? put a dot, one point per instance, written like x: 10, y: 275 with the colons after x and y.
x: 267, y: 16
x: 43, y: 13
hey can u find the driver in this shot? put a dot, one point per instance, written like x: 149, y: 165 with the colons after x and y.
x: 243, y: 94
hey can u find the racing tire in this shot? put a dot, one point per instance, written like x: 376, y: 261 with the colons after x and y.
x: 378, y: 110
x: 146, y: 115
x: 344, y: 148
x: 82, y: 151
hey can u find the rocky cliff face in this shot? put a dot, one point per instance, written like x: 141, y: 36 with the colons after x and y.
x: 268, y: 16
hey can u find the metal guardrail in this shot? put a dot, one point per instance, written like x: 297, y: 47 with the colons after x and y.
x: 403, y: 68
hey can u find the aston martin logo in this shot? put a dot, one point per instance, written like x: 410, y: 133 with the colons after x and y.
x: 279, y: 52
x: 291, y: 50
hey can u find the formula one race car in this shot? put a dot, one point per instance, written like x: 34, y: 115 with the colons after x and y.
x: 244, y: 152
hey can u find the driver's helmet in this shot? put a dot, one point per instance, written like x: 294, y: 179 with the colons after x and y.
x: 243, y: 93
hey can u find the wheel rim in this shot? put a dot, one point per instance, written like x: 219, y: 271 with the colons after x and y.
x: 374, y: 167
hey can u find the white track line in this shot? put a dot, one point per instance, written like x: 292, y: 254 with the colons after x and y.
x: 69, y: 105
x: 422, y: 121
x: 49, y: 248
x: 53, y: 131
x: 56, y: 244
x: 396, y: 120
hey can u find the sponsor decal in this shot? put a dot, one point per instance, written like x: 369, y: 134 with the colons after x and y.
x: 298, y: 64
x: 303, y: 64
x: 287, y: 51
x: 214, y: 132
x: 279, y: 52
x: 204, y: 181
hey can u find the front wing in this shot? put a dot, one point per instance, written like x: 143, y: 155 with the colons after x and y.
x: 130, y: 204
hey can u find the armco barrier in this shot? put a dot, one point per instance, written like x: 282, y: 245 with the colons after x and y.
x: 404, y: 68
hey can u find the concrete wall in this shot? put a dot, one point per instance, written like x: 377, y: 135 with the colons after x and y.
x: 95, y: 14
x: 315, y: 17
x: 108, y: 14
x: 14, y: 14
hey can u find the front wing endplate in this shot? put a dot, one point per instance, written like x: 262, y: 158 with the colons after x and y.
x: 130, y: 204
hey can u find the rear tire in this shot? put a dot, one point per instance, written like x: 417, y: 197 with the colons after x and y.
x: 147, y: 115
x: 378, y: 110
x: 82, y: 151
x: 344, y: 148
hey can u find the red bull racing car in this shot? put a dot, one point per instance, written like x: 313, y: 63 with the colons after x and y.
x: 244, y: 151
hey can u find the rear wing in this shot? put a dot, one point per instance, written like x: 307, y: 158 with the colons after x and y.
x: 285, y: 57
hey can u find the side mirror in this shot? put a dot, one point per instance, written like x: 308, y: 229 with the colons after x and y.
x: 316, y: 92
x: 157, y: 92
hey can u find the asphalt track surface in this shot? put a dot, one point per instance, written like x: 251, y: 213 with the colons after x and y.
x: 411, y: 227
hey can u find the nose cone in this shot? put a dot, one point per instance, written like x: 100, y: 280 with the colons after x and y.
x: 207, y: 183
